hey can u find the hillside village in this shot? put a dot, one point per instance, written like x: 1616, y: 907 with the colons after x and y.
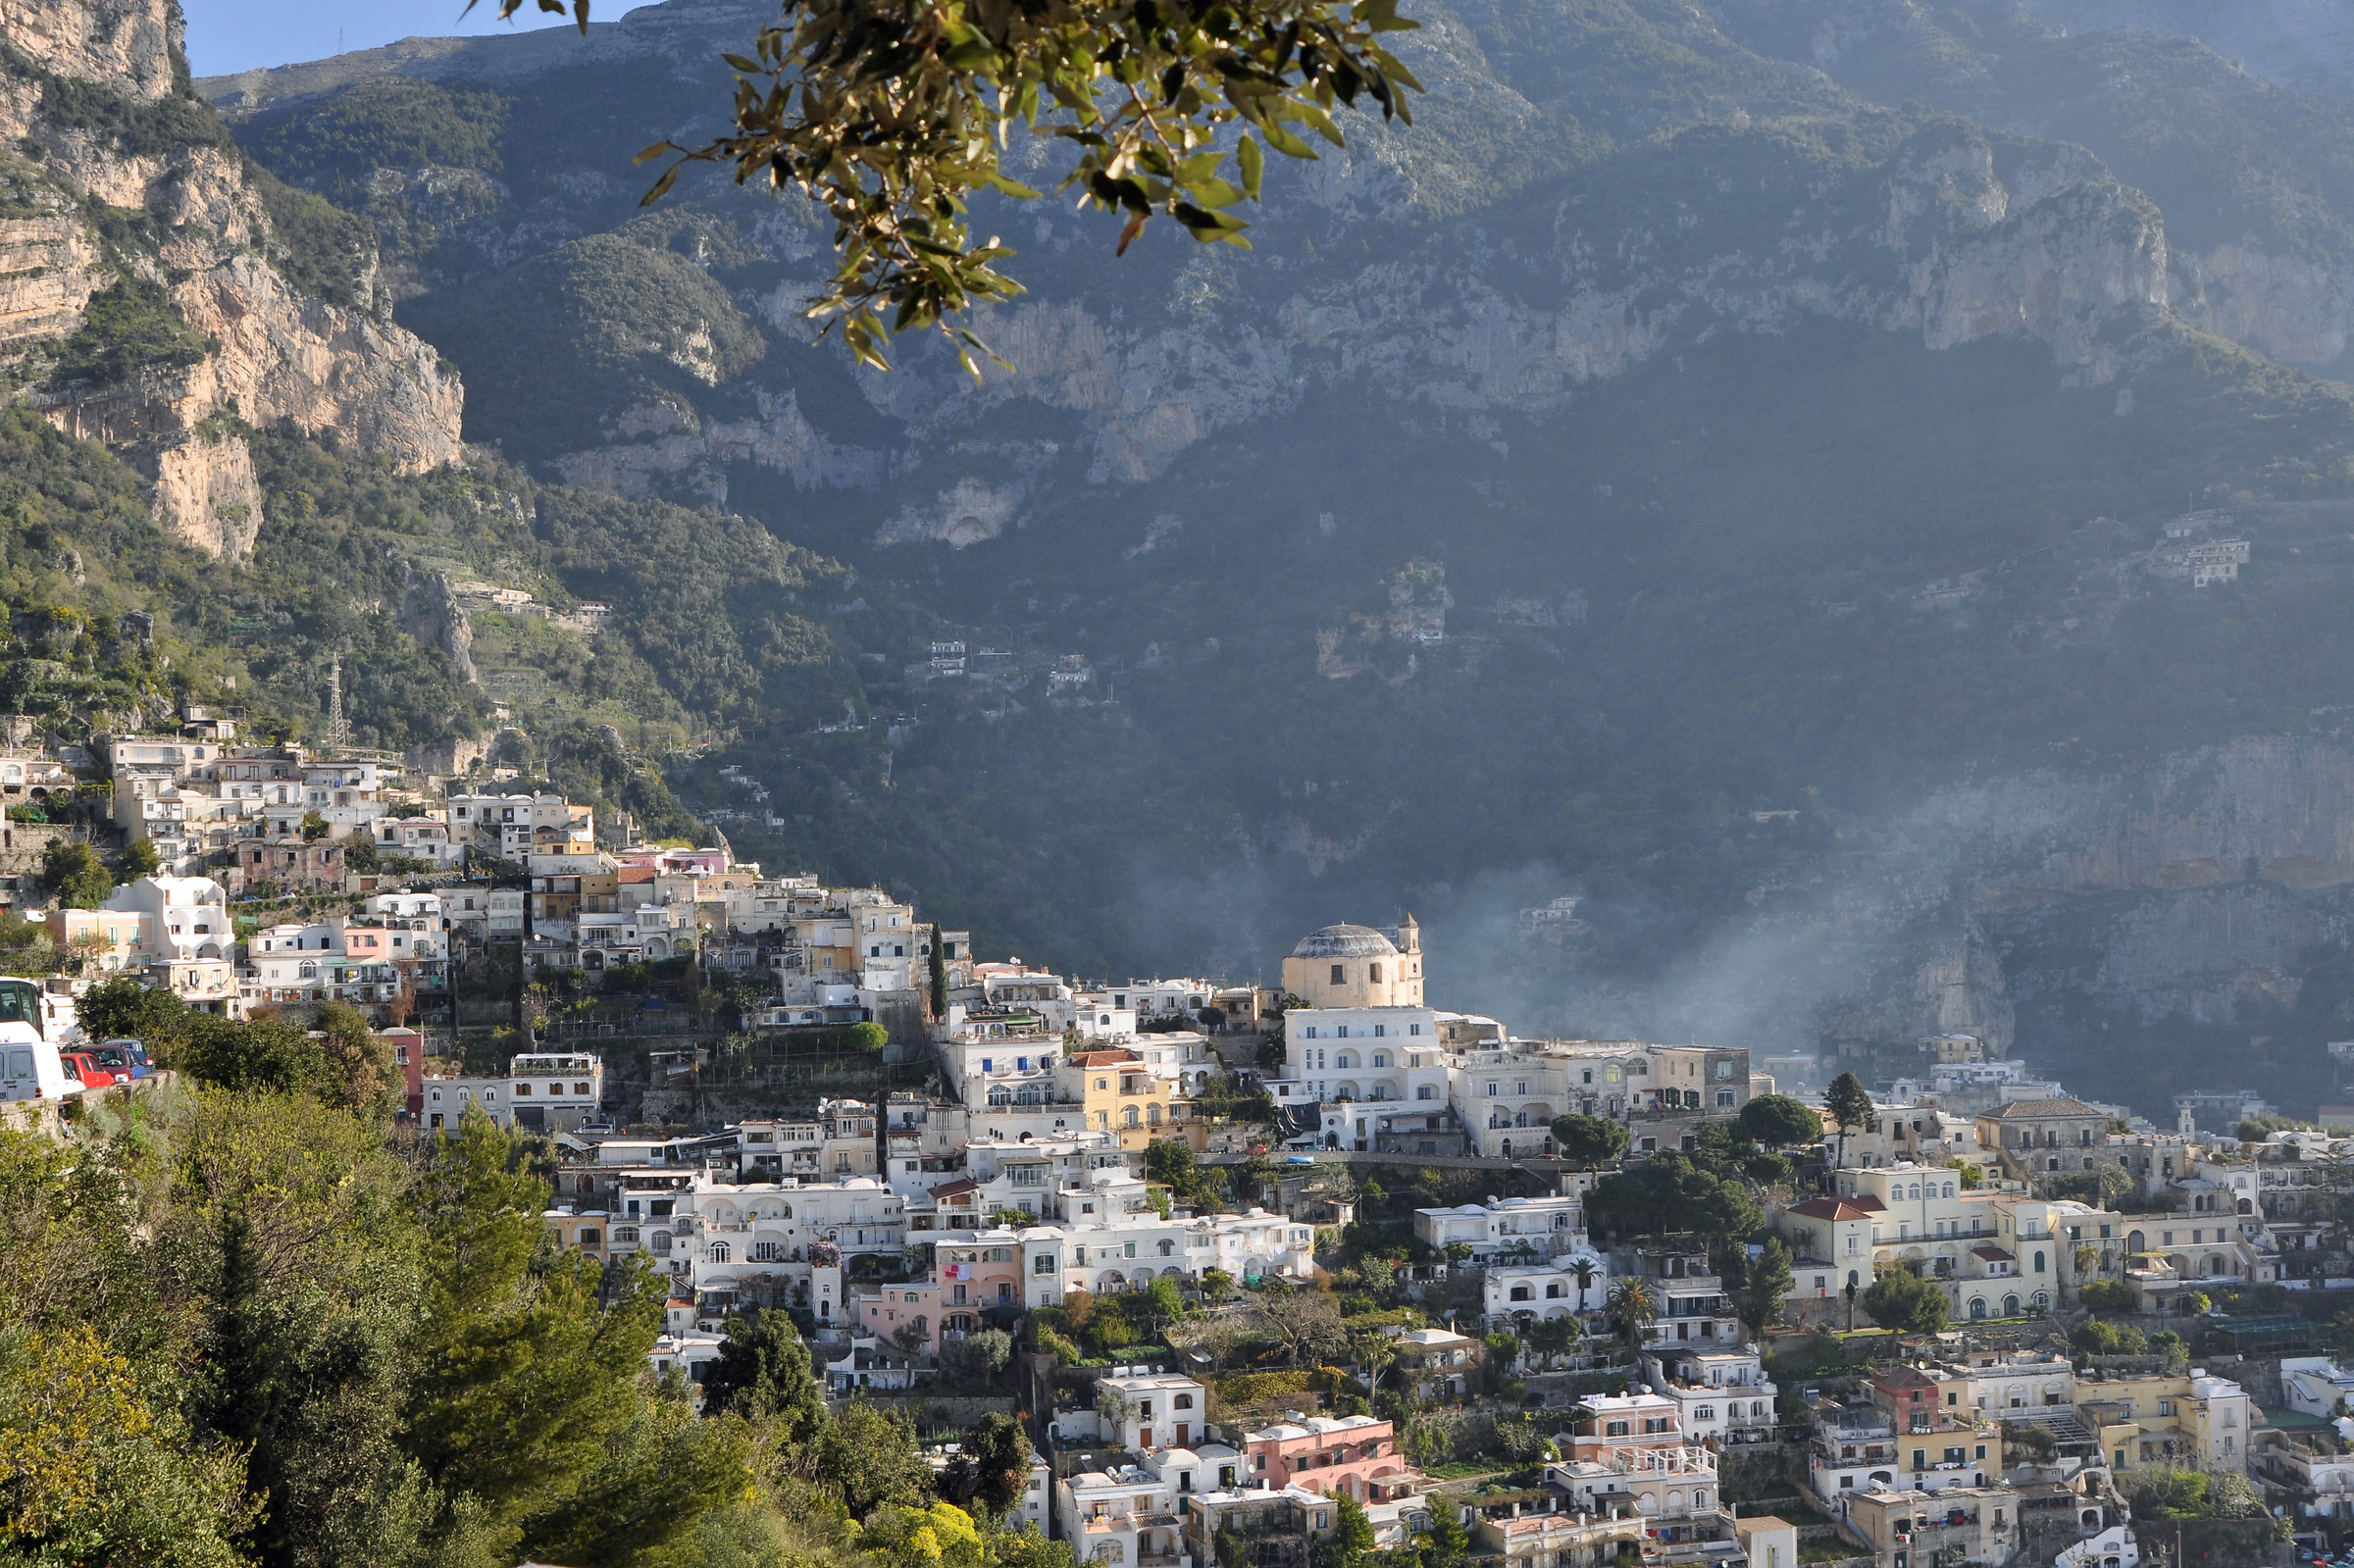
x: 1268, y: 1273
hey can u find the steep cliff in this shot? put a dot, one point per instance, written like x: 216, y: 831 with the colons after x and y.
x: 117, y: 187
x: 2252, y: 174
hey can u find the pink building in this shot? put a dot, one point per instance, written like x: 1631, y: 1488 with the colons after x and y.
x: 973, y: 1275
x: 1355, y: 1456
x: 885, y: 1312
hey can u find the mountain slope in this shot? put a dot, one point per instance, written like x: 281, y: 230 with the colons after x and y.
x: 164, y: 285
x: 1672, y: 427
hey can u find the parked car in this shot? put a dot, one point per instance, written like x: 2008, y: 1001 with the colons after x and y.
x: 125, y: 1056
x: 82, y: 1067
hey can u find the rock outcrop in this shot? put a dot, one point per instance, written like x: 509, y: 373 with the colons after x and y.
x: 187, y: 224
x: 430, y: 612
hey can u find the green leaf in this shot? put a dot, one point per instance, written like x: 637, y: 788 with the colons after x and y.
x: 1010, y: 187
x: 1322, y: 122
x: 661, y: 186
x: 741, y: 63
x: 1253, y: 163
x: 1283, y: 141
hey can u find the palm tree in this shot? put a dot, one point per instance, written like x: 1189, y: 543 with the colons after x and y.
x: 1585, y: 1269
x: 1632, y: 1309
x: 1376, y: 1352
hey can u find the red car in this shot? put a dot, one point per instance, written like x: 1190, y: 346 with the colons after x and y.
x: 83, y: 1068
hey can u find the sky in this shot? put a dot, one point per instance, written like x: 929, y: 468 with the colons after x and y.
x: 226, y: 36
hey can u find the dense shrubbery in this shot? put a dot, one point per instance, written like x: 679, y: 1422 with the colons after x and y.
x: 237, y: 1325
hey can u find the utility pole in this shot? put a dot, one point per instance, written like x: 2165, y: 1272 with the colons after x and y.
x: 449, y: 970
x: 339, y: 729
x: 523, y: 951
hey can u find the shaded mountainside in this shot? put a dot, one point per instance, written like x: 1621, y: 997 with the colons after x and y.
x: 1702, y: 412
x: 224, y: 467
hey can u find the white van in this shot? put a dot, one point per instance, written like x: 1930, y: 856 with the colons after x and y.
x: 30, y: 1068
x: 34, y: 1072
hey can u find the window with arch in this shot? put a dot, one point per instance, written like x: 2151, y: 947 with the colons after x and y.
x: 1381, y: 1058
x: 1128, y: 1117
x: 1425, y: 1092
x: 719, y: 1251
x: 306, y: 970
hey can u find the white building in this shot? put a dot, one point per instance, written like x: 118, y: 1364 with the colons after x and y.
x: 555, y: 1090
x: 449, y: 1100
x: 343, y: 795
x: 1569, y: 1284
x: 1527, y: 1228
x: 2317, y: 1384
x: 1723, y: 1396
x: 1151, y: 1410
x: 424, y: 838
x: 1125, y: 1515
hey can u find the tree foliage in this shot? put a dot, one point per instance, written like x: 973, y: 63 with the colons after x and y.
x: 1670, y: 1194
x: 1764, y: 1284
x: 72, y: 870
x: 763, y: 1367
x: 1777, y: 1121
x: 1849, y: 1103
x: 891, y: 115
x: 1900, y: 1300
x: 1589, y: 1140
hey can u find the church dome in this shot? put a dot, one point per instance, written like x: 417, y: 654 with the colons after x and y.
x: 1344, y: 941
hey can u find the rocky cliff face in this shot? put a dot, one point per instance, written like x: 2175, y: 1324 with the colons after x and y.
x: 119, y: 181
x: 2257, y: 255
x: 1716, y: 218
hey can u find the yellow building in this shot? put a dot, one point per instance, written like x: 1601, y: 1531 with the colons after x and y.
x: 2193, y: 1421
x: 1115, y: 1093
x: 1357, y: 966
x: 108, y: 940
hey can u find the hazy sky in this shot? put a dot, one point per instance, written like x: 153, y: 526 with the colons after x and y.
x: 226, y: 36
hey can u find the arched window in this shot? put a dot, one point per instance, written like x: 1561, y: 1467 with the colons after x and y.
x: 1425, y: 1092
x: 306, y: 970
x: 1128, y: 1117
x: 719, y: 1251
x: 1346, y: 1059
x: 1553, y: 1291
x: 2039, y: 1260
x: 1184, y: 1401
x: 1521, y: 1292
